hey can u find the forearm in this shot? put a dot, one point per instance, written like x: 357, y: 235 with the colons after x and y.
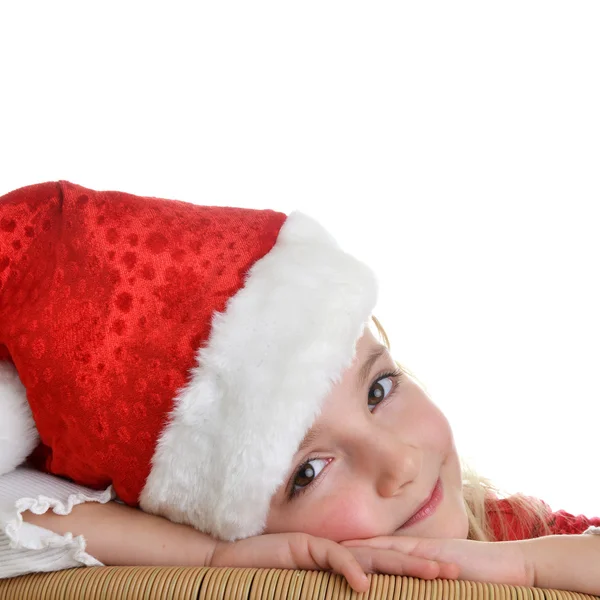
x: 565, y: 562
x: 116, y: 534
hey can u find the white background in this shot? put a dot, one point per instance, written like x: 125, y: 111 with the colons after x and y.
x: 453, y: 146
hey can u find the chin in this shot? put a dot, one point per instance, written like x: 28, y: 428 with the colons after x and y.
x: 455, y: 529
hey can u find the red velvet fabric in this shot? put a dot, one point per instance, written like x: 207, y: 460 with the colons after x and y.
x: 104, y: 299
x: 520, y: 525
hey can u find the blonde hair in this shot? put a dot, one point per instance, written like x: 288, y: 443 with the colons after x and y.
x: 479, y: 493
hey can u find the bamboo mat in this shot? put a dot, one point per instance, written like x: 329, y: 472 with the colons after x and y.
x: 203, y: 583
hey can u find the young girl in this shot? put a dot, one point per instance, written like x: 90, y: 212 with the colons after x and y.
x: 217, y: 367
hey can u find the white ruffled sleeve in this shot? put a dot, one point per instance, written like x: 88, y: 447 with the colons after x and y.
x: 27, y: 548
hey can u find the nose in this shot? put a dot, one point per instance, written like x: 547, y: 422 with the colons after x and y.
x: 393, y: 462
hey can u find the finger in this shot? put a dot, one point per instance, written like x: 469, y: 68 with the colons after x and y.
x: 396, y: 563
x: 344, y: 562
x: 403, y: 544
x: 331, y: 555
x: 449, y: 570
x: 431, y: 549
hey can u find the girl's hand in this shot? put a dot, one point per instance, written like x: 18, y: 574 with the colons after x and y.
x: 303, y: 551
x: 493, y: 562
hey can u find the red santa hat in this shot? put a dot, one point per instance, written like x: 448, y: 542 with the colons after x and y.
x: 178, y: 352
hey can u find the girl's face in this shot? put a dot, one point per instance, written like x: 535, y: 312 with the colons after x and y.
x: 372, y: 459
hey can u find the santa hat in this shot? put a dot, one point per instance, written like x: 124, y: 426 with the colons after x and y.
x: 178, y: 352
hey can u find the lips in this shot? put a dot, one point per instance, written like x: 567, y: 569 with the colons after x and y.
x: 428, y: 507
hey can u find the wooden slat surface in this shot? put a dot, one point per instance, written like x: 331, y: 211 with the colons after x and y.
x: 202, y: 583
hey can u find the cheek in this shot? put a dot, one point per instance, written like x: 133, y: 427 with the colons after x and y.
x: 342, y: 516
x: 434, y: 429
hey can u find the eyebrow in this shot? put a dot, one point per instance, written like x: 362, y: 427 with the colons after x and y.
x: 363, y: 374
x: 361, y: 381
x: 310, y: 437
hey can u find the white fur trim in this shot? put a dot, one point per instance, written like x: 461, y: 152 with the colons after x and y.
x: 271, y: 358
x: 591, y: 530
x: 18, y: 435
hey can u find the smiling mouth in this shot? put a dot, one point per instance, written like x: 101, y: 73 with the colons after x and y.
x: 428, y: 507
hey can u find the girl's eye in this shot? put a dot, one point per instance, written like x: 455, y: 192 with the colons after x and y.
x: 384, y: 385
x: 306, y: 474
